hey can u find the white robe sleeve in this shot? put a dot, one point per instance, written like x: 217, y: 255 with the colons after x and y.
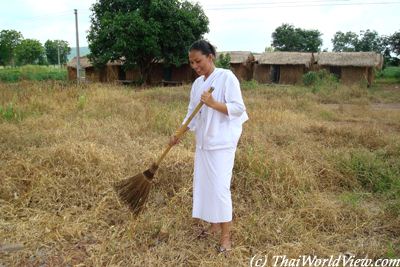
x: 233, y: 97
x: 191, y: 107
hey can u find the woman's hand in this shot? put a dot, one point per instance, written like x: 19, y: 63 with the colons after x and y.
x: 208, y: 99
x: 174, y: 140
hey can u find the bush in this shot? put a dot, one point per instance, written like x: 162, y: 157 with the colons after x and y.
x: 310, y: 78
x: 223, y: 61
x: 320, y: 77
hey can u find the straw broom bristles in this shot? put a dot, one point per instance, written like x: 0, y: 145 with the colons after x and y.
x: 135, y: 190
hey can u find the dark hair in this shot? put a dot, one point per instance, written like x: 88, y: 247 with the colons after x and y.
x: 204, y: 47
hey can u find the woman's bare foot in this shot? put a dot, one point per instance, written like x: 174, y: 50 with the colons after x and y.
x: 225, y: 242
x: 212, y: 230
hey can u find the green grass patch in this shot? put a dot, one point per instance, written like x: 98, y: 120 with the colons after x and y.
x: 374, y: 171
x: 32, y: 73
x: 82, y: 100
x: 10, y: 113
x: 352, y: 198
x: 390, y: 72
x: 388, y: 75
x: 249, y: 85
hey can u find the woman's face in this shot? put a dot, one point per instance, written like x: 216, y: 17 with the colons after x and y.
x: 202, y: 64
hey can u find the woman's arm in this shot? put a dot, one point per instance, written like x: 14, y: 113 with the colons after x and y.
x: 208, y: 100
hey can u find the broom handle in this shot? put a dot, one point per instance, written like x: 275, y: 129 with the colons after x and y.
x: 182, y: 130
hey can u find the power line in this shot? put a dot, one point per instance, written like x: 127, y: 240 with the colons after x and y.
x: 63, y: 14
x: 279, y: 5
x: 275, y: 3
x: 45, y: 16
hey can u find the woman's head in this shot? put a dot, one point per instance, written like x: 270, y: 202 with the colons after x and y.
x: 201, y: 57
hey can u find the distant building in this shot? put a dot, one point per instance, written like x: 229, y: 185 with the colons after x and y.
x: 289, y: 67
x: 241, y: 64
x: 350, y: 67
x: 282, y: 67
x: 268, y: 67
x: 114, y: 71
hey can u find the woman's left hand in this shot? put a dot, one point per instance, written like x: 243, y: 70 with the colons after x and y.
x: 207, y: 99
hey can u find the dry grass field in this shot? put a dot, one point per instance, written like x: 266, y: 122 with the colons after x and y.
x: 317, y: 172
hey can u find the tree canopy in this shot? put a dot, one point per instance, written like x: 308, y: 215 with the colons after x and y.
x: 394, y: 41
x: 364, y: 42
x: 53, y: 47
x: 141, y: 32
x: 30, y: 51
x: 9, y: 40
x: 288, y: 38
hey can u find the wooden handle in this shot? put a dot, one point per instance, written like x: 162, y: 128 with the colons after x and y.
x: 181, y: 131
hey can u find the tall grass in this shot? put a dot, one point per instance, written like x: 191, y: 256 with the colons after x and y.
x: 309, y: 178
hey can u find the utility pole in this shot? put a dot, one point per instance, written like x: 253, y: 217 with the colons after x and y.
x: 77, y: 47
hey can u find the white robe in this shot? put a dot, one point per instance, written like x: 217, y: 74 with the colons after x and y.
x: 217, y: 135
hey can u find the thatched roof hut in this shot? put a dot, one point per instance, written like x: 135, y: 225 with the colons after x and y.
x: 351, y: 67
x: 84, y: 62
x: 282, y: 67
x: 343, y: 59
x: 286, y: 58
x: 114, y: 71
x: 71, y: 66
x: 238, y: 57
x: 256, y: 56
x: 241, y: 63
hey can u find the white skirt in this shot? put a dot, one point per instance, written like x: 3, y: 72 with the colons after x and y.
x: 211, y: 185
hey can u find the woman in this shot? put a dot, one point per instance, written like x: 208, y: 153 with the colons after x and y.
x: 217, y: 127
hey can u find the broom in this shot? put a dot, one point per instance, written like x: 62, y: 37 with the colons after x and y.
x: 135, y: 190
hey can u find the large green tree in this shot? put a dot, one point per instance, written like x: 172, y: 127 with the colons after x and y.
x: 344, y: 42
x: 364, y: 42
x: 9, y: 40
x: 141, y: 32
x: 288, y: 38
x: 30, y: 51
x: 53, y: 47
x: 394, y: 41
x: 371, y: 41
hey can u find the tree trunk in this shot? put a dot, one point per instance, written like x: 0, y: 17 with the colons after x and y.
x: 145, y: 73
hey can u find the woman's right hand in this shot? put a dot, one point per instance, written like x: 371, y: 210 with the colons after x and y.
x: 173, y: 140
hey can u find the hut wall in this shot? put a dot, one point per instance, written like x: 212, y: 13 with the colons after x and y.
x: 112, y: 73
x: 183, y: 73
x: 92, y: 74
x: 291, y: 74
x: 157, y: 73
x: 354, y: 75
x: 71, y: 73
x: 133, y: 74
x: 243, y: 72
x: 262, y: 73
x: 371, y: 75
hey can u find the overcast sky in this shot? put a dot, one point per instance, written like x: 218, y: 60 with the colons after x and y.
x: 234, y: 24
